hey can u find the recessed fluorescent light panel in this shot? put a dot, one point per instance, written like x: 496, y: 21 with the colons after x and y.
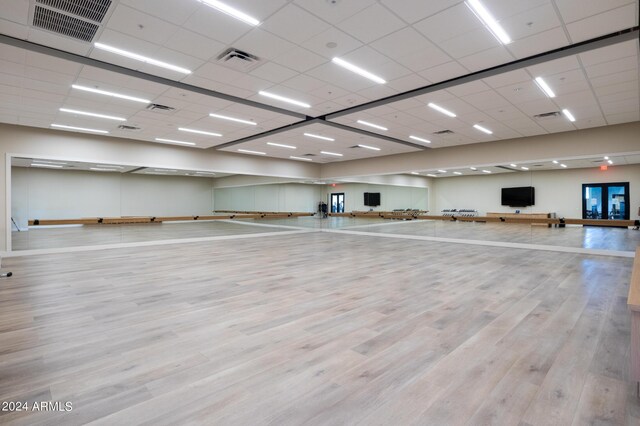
x: 568, y: 114
x: 284, y: 99
x: 513, y: 165
x: 610, y: 161
x: 80, y: 129
x: 112, y: 94
x: 430, y: 175
x: 373, y: 148
x: 545, y: 87
x: 473, y: 168
x: 416, y: 138
x: 563, y: 166
x: 457, y: 173
x: 49, y: 162
x: 234, y: 13
x: 442, y: 171
x: 440, y: 109
x: 555, y: 161
x: 356, y: 69
x: 335, y: 154
x: 141, y: 58
x: 237, y: 120
x: 524, y: 168
x: 281, y: 145
x: 324, y: 138
x: 205, y: 173
x: 172, y: 141
x: 92, y: 114
x: 300, y: 158
x: 415, y: 173
x: 486, y: 171
x: 51, y: 166
x: 488, y: 20
x: 101, y: 169
x: 200, y: 132
x: 248, y: 151
x: 606, y: 158
x: 375, y: 126
x: 482, y: 129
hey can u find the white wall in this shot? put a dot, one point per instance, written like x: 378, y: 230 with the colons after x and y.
x: 63, y: 194
x: 286, y: 197
x: 558, y: 191
x: 391, y: 197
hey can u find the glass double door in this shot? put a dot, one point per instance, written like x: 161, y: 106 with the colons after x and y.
x: 605, y: 200
x: 337, y: 202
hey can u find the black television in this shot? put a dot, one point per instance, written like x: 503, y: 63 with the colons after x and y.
x: 522, y: 196
x: 372, y: 199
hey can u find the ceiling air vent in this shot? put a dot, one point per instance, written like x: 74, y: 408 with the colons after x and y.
x: 547, y: 115
x: 94, y: 10
x: 443, y: 132
x: 308, y: 155
x: 238, y: 59
x: 66, y: 25
x: 129, y: 128
x: 160, y: 108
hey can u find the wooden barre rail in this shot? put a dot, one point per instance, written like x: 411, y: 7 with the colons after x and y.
x: 633, y: 303
x: 159, y: 219
x: 501, y: 219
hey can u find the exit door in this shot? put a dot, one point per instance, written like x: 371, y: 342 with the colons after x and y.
x: 337, y: 202
x: 605, y: 200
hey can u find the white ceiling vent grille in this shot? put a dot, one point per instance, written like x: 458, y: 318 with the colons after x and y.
x: 160, y: 108
x: 238, y: 59
x: 67, y: 25
x: 94, y: 10
x: 547, y: 115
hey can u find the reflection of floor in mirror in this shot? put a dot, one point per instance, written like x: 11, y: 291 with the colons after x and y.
x: 571, y: 236
x: 318, y: 328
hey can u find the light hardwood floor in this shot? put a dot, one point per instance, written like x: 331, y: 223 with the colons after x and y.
x: 318, y: 329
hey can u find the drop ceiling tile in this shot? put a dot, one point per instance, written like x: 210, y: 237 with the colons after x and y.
x: 371, y: 24
x: 469, y: 88
x: 273, y: 72
x: 486, y: 59
x: 402, y: 43
x: 443, y: 72
x: 470, y: 43
x: 554, y: 67
x: 486, y: 100
x: 17, y: 12
x: 194, y: 45
x: 449, y: 23
x: 334, y: 74
x: 521, y: 92
x: 328, y: 92
x: 293, y: 23
x: 620, y: 77
x: 49, y: 76
x: 140, y: 25
x: 304, y: 83
x: 58, y: 42
x: 12, y: 54
x: 408, y: 82
x: 574, y: 10
x: 629, y: 86
x: 412, y: 11
x: 591, y: 122
x: 425, y: 58
x: 319, y: 44
x: 532, y: 21
x: 610, y: 53
x: 299, y: 59
x: 174, y: 11
x: 540, y: 106
x: 625, y: 117
x: 507, y: 79
x: 263, y: 44
x: 13, y: 29
x: 218, y: 26
x: 538, y: 43
x: 616, y: 66
x: 334, y: 12
x: 52, y: 63
x: 12, y: 68
x: 604, y: 23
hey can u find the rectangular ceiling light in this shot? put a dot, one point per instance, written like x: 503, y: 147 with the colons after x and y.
x: 200, y: 132
x: 457, y: 173
x: 49, y: 162
x: 375, y: 126
x: 524, y: 168
x: 373, y: 148
x: 513, y: 165
x: 440, y: 109
x: 564, y: 166
x: 108, y: 166
x: 165, y: 170
x: 545, y: 87
x: 568, y: 114
x: 92, y: 114
x: 281, y: 145
x: 175, y: 142
x: 430, y: 175
x: 415, y: 173
x: 205, y: 173
x: 237, y: 120
x: 335, y: 154
x: 248, y: 151
x: 300, y: 158
x: 141, y: 58
x: 51, y: 166
x: 473, y: 168
x: 486, y: 171
x: 100, y: 169
x: 80, y: 129
x: 482, y: 129
x: 419, y: 139
x: 324, y: 138
x: 555, y: 161
x: 358, y: 70
x: 442, y: 171
x: 284, y: 99
x: 488, y: 20
x: 234, y: 13
x: 112, y: 94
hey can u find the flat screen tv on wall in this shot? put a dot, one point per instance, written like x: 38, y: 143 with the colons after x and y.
x: 372, y: 199
x: 522, y: 196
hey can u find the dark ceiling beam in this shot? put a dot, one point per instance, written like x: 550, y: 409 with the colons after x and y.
x: 562, y: 52
x: 61, y: 54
